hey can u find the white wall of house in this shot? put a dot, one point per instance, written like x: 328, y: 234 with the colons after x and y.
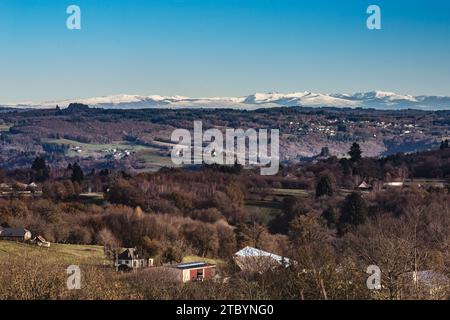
x: 186, y: 275
x: 135, y: 263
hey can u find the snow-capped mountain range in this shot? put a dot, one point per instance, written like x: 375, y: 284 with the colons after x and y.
x: 373, y: 99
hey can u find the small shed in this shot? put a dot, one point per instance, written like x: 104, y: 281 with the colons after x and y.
x: 183, y: 272
x: 40, y: 241
x: 196, y: 271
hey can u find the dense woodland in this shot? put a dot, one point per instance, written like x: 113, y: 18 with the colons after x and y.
x: 304, y: 132
x: 333, y: 230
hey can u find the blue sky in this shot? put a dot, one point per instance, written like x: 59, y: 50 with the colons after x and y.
x: 221, y: 48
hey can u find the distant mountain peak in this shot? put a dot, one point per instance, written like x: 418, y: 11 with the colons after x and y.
x: 373, y: 99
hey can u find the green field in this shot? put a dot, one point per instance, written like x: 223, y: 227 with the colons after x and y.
x: 149, y: 157
x: 263, y: 206
x: 69, y: 254
x: 57, y: 253
x: 425, y: 181
x: 262, y: 211
x: 201, y: 259
x: 289, y: 192
x: 152, y: 156
x: 89, y: 148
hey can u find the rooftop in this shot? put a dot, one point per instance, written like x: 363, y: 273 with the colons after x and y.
x: 13, y: 232
x: 128, y: 254
x: 253, y: 252
x: 192, y: 265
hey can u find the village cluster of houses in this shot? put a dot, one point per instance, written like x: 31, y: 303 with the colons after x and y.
x: 129, y: 260
x: 116, y: 154
x: 248, y: 259
x: 113, y: 153
x: 22, y: 235
x: 330, y: 127
x: 20, y: 189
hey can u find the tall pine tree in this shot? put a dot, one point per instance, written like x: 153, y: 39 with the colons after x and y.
x: 353, y: 213
x: 41, y: 171
x: 77, y: 173
x: 355, y: 152
x: 324, y: 187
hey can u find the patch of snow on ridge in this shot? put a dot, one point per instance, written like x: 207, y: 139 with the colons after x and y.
x: 372, y: 99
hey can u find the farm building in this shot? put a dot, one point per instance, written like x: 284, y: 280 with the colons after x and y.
x: 15, y: 234
x: 183, y: 272
x: 196, y: 271
x: 40, y: 241
x: 256, y: 260
x: 19, y: 189
x: 129, y: 260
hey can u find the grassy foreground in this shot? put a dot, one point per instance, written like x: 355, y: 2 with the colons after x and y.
x: 57, y: 253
